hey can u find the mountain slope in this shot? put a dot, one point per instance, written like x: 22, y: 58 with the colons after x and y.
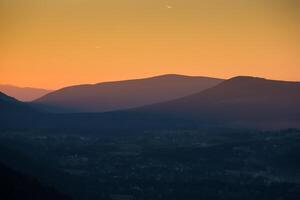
x: 14, y: 113
x: 19, y: 115
x: 240, y: 100
x: 14, y: 186
x: 23, y: 93
x: 119, y: 95
x: 11, y: 105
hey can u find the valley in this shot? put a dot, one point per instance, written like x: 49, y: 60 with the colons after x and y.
x: 219, y: 164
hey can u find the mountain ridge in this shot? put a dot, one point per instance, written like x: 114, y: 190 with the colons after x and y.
x: 25, y: 94
x: 237, y: 99
x: 120, y: 95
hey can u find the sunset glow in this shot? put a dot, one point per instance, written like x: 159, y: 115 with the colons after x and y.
x: 54, y: 43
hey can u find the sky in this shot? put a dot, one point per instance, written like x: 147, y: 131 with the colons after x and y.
x: 54, y: 43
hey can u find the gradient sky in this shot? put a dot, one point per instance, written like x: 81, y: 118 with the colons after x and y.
x: 54, y: 43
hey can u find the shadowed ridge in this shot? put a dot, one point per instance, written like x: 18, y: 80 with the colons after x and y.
x: 249, y: 81
x: 159, y: 77
x: 11, y: 105
x: 6, y: 98
x: 256, y: 87
x: 119, y: 95
x: 239, y: 100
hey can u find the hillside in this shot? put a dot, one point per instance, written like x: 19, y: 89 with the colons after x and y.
x: 119, y: 95
x: 240, y: 100
x: 16, y: 186
x: 11, y: 105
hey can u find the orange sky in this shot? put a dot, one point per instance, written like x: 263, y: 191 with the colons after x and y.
x: 54, y: 43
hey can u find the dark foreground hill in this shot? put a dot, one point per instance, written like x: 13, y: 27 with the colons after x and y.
x: 119, y: 95
x: 16, y: 186
x: 9, y: 105
x: 23, y: 93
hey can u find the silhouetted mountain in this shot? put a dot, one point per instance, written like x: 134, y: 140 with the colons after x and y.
x: 23, y: 93
x: 11, y: 105
x: 16, y: 114
x: 16, y: 186
x: 110, y: 96
x: 240, y: 101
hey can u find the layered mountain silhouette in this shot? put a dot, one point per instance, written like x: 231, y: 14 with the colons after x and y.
x: 237, y: 102
x: 240, y: 100
x: 119, y: 95
x: 19, y: 115
x: 23, y: 93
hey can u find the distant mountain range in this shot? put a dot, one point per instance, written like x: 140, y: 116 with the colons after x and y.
x: 238, y: 102
x: 23, y: 93
x: 120, y: 95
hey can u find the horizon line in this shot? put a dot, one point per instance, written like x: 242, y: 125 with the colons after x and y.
x: 141, y: 78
